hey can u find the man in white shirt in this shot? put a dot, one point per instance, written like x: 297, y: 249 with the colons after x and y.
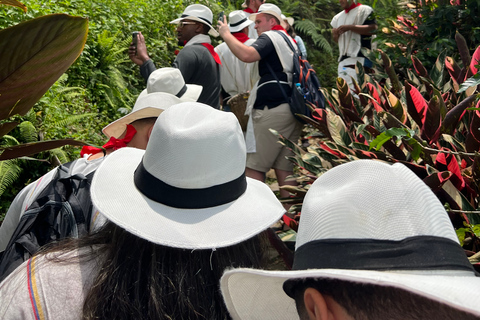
x: 352, y: 30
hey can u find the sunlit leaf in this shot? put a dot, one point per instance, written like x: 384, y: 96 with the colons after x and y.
x: 14, y: 3
x: 470, y: 82
x: 34, y: 55
x: 399, y: 133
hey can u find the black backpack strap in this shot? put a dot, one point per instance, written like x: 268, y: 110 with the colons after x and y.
x: 278, y: 81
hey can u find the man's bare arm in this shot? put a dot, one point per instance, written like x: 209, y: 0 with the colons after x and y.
x: 240, y: 50
x: 362, y: 29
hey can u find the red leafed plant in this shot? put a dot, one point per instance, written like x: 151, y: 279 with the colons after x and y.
x: 428, y: 123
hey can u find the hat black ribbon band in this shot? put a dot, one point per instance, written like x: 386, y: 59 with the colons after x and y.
x: 186, y: 15
x: 414, y: 253
x: 238, y: 23
x: 182, y: 91
x: 159, y: 191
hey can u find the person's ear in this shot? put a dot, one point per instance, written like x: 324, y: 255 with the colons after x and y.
x: 316, y: 305
x: 149, y: 132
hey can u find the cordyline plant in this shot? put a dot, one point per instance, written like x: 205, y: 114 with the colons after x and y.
x: 429, y: 122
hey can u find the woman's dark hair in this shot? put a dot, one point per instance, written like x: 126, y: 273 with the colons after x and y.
x: 374, y: 302
x: 138, y: 279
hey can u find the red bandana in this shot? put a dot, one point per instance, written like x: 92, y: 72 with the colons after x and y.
x: 112, y: 143
x: 352, y: 6
x: 212, y: 52
x: 240, y: 36
x: 248, y: 10
x: 279, y: 27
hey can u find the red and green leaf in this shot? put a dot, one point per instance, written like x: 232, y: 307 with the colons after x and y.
x: 432, y: 121
x: 454, y: 115
x: 475, y: 61
x: 435, y: 181
x: 419, y: 68
x: 416, y: 104
x: 447, y: 161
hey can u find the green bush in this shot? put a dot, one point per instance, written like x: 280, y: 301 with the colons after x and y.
x: 99, y: 87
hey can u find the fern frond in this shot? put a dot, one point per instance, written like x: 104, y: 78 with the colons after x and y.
x: 74, y: 119
x: 9, y: 172
x: 60, y: 154
x: 28, y: 132
x: 8, y: 140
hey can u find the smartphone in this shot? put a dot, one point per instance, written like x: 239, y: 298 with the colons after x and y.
x: 220, y: 16
x: 134, y: 38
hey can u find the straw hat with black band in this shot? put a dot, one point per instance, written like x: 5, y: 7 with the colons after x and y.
x: 365, y: 222
x: 188, y: 189
x: 165, y: 87
x: 200, y: 13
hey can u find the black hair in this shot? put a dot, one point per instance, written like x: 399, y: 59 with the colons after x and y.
x: 138, y: 279
x: 374, y: 302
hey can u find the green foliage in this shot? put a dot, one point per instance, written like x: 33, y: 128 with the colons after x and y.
x: 426, y: 29
x: 423, y: 123
x: 99, y: 87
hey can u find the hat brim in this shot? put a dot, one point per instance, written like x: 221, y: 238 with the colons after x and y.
x: 212, y: 30
x: 192, y: 93
x: 115, y: 195
x: 258, y: 294
x: 147, y: 105
x: 240, y: 27
x: 272, y: 13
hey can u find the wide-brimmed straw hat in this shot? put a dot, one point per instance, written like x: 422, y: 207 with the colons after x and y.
x: 290, y: 20
x: 366, y: 222
x: 165, y: 87
x: 270, y: 9
x: 188, y: 188
x: 237, y: 20
x: 200, y: 13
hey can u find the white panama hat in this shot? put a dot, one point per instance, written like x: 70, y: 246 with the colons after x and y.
x: 165, y: 87
x: 367, y: 222
x: 188, y: 188
x: 200, y: 13
x: 290, y: 20
x: 237, y: 20
x: 271, y: 9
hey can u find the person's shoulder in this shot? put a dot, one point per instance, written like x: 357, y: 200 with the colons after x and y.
x: 222, y: 46
x: 335, y: 17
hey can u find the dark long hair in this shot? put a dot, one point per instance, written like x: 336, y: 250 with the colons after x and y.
x: 138, y: 279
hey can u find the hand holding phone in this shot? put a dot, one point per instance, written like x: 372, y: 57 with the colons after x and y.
x: 134, y: 39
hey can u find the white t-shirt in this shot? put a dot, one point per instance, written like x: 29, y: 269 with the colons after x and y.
x: 43, y: 289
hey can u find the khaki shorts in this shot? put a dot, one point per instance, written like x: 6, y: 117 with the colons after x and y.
x: 270, y: 153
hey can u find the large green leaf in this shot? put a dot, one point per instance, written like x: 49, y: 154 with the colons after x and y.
x: 34, y: 55
x: 14, y: 3
x: 36, y: 147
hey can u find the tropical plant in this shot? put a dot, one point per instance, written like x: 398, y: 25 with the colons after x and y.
x: 425, y: 122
